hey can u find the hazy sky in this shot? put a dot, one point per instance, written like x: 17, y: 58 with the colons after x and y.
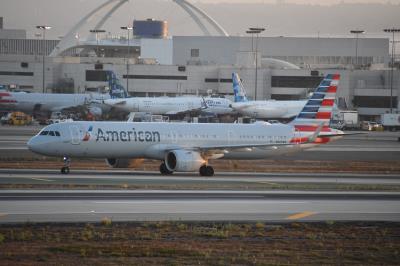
x: 287, y: 18
x: 321, y: 2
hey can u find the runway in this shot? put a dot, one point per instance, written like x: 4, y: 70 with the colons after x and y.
x: 128, y: 177
x: 71, y: 205
x: 281, y: 206
x: 128, y: 195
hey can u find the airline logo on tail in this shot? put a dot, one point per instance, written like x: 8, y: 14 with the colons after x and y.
x: 318, y: 109
x: 116, y: 89
x: 238, y: 90
x: 6, y: 97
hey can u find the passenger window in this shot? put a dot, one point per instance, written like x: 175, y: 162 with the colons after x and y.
x: 44, y: 133
x: 57, y: 134
x: 51, y: 133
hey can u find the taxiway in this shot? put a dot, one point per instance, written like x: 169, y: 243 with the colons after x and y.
x: 130, y: 177
x: 282, y: 206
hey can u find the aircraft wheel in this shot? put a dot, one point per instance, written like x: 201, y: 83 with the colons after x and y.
x: 206, y: 170
x: 202, y: 170
x: 209, y: 171
x: 164, y: 170
x: 65, y: 170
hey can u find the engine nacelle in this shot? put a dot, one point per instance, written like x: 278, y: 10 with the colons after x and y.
x: 118, y: 163
x: 183, y: 161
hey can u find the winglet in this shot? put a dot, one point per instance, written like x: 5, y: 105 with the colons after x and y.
x: 314, y: 136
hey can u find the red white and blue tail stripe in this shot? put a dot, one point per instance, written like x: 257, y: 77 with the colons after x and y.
x: 318, y: 109
x: 316, y: 114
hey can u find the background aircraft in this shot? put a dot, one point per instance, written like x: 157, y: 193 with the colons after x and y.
x: 172, y: 105
x: 187, y: 147
x: 270, y: 109
x: 43, y: 104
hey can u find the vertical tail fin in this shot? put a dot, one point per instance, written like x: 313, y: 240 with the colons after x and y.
x: 318, y: 109
x: 116, y: 89
x: 238, y: 90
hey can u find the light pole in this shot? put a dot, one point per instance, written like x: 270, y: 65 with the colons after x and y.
x: 256, y: 31
x: 252, y: 32
x: 357, y: 32
x: 393, y: 31
x: 97, y: 31
x: 44, y: 28
x: 128, y: 29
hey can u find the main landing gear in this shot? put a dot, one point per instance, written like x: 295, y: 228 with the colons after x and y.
x: 164, y: 170
x: 206, y: 170
x: 65, y: 168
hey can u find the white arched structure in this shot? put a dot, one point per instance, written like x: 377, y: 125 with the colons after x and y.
x: 195, y: 13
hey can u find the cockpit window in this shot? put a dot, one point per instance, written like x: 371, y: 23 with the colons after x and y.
x: 50, y: 133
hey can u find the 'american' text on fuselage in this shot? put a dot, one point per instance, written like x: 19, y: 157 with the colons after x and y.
x: 126, y: 136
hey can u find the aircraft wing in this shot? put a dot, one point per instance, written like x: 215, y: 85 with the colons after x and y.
x: 341, y: 134
x: 242, y: 106
x: 60, y: 108
x: 240, y: 146
x: 175, y: 112
x: 226, y: 148
x: 73, y: 108
x: 117, y: 103
x: 189, y: 111
x: 219, y: 148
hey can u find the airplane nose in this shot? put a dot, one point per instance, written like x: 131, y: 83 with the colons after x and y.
x: 35, y: 145
x: 31, y: 144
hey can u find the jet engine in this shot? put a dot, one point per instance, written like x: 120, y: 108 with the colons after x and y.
x: 183, y: 161
x: 118, y: 163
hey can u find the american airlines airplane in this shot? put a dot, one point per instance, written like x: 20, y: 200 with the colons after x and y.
x: 172, y: 105
x: 188, y: 147
x: 46, y: 103
x: 271, y: 109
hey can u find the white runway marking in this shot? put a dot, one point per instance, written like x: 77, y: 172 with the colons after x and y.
x: 42, y: 179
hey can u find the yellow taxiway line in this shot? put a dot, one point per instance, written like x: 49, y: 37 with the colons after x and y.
x: 300, y: 215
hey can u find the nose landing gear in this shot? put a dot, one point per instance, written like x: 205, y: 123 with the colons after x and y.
x: 65, y: 168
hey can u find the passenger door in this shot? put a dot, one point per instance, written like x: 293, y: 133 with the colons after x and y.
x: 75, y: 135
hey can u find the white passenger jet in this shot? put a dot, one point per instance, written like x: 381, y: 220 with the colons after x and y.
x: 187, y: 147
x: 172, y: 105
x: 270, y: 109
x: 47, y: 103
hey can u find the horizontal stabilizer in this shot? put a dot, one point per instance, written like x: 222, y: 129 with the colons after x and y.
x: 340, y: 134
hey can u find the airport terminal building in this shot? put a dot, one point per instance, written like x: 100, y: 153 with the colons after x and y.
x: 270, y: 67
